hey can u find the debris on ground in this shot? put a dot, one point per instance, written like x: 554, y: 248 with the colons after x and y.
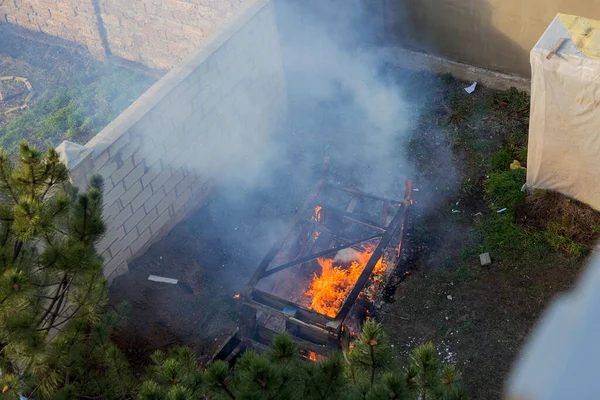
x: 485, y: 259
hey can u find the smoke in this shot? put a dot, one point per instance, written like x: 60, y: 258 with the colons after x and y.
x: 341, y: 106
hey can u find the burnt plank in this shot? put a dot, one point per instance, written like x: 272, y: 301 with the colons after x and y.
x: 275, y: 248
x: 318, y: 255
x: 354, y: 217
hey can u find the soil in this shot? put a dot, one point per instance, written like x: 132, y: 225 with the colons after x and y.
x: 542, y: 209
x: 477, y: 317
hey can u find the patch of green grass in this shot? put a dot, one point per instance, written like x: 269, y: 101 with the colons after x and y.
x: 504, y: 188
x: 500, y: 161
x: 518, y: 138
x: 555, y: 236
x: 509, y: 242
x: 516, y: 101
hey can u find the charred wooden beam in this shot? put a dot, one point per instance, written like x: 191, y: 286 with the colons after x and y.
x: 397, y: 222
x: 360, y: 193
x: 354, y: 217
x: 265, y: 335
x: 323, y: 253
x: 269, y: 303
x: 277, y: 246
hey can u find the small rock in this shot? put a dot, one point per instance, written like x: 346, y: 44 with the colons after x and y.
x: 485, y: 259
x: 449, y: 297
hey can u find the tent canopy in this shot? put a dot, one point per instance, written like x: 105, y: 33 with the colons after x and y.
x: 564, y: 127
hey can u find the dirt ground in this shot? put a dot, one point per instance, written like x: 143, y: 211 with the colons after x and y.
x: 477, y: 317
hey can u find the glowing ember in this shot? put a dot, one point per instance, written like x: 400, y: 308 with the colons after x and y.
x: 312, y: 356
x: 317, y: 218
x: 338, y: 275
x: 317, y: 214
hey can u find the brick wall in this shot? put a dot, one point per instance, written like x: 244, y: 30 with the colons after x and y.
x: 160, y: 33
x: 155, y: 33
x: 73, y: 20
x: 155, y: 156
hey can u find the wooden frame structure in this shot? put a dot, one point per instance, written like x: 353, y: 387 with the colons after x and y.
x: 312, y: 331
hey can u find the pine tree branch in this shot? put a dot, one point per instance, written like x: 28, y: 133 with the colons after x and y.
x: 5, y: 180
x: 49, y: 310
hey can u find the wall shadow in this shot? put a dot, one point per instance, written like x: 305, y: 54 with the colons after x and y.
x: 492, y: 34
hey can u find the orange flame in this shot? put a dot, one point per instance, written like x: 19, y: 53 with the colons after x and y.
x: 312, y: 355
x: 237, y: 296
x: 317, y: 214
x: 328, y: 290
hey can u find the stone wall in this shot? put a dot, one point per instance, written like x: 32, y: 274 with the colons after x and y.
x: 162, y: 156
x: 155, y: 33
x: 492, y: 34
x: 160, y: 33
x: 72, y: 20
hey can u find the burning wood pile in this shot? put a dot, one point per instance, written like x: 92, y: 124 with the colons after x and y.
x: 322, y: 278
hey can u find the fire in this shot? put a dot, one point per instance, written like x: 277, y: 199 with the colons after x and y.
x: 237, y: 296
x: 338, y: 275
x: 317, y: 214
x: 317, y: 218
x: 312, y: 355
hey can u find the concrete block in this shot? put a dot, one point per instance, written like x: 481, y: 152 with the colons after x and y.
x: 131, y: 237
x: 109, y: 238
x: 116, y: 247
x: 112, y: 210
x: 118, y: 144
x: 134, y: 176
x: 135, y: 219
x: 131, y: 193
x: 122, y: 172
x: 182, y: 199
x: 147, y: 220
x: 114, y: 194
x: 184, y: 184
x: 139, y: 244
x: 141, y: 198
x: 108, y: 169
x: 174, y: 180
x: 166, y: 202
x: 485, y: 259
x: 161, y: 179
x: 155, y: 199
x: 161, y: 221
x: 124, y: 215
x: 101, y: 160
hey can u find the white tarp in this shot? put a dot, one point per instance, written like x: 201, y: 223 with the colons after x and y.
x: 564, y: 128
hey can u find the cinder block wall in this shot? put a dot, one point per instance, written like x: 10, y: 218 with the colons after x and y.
x: 152, y: 155
x: 157, y: 33
x: 73, y: 20
x: 160, y: 33
x: 492, y: 34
